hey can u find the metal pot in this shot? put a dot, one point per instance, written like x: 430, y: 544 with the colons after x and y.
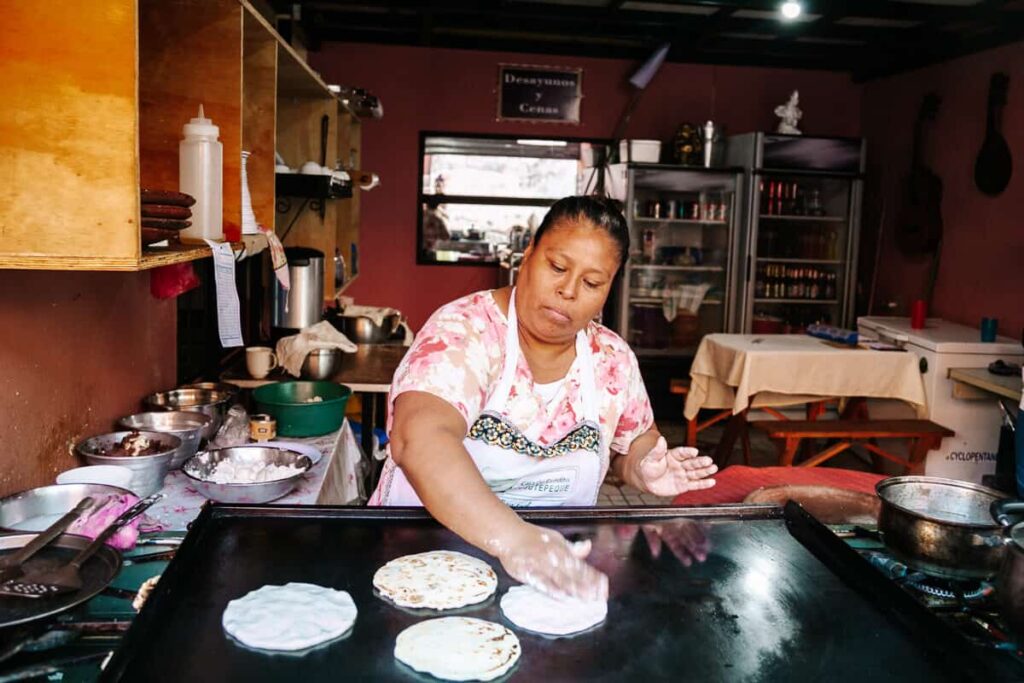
x: 363, y: 330
x: 1010, y: 580
x: 941, y: 526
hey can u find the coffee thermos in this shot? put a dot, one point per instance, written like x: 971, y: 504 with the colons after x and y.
x: 302, y: 304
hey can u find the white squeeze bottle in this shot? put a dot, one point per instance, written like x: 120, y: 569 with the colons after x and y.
x: 200, y: 174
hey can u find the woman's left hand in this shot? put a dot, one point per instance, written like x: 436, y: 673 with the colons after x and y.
x: 666, y: 471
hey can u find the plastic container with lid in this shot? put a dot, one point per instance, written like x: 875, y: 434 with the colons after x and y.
x: 200, y: 174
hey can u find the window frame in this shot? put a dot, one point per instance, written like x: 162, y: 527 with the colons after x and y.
x: 421, y: 255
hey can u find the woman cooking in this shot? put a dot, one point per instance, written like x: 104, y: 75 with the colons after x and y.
x: 516, y: 397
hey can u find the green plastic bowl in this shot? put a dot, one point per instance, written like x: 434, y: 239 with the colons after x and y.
x: 296, y: 415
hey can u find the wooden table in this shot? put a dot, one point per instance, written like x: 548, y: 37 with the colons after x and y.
x: 738, y: 372
x: 368, y: 371
x: 1004, y: 386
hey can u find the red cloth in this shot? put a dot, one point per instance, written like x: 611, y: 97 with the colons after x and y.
x: 735, y: 483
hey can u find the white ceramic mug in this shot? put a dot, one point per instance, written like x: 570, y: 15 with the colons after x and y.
x: 260, y: 360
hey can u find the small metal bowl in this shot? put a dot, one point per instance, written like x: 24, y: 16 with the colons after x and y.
x: 321, y: 364
x: 148, y: 471
x: 200, y: 467
x: 233, y: 390
x: 187, y: 426
x: 38, y: 508
x: 209, y: 402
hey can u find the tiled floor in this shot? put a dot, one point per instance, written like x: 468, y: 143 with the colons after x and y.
x: 762, y: 454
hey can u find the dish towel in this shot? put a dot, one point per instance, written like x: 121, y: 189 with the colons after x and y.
x: 685, y: 298
x: 292, y: 351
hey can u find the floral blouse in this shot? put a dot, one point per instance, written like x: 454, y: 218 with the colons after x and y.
x: 458, y: 357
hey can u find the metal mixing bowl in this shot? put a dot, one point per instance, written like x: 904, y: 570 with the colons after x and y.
x: 321, y: 364
x: 362, y: 330
x: 186, y: 425
x: 148, y: 471
x: 232, y: 389
x: 38, y: 508
x: 200, y: 467
x: 207, y: 401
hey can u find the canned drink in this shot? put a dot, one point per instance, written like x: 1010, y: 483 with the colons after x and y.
x: 262, y: 427
x: 671, y: 208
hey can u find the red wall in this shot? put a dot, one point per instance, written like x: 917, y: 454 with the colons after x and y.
x: 79, y: 350
x: 454, y: 91
x: 981, y: 271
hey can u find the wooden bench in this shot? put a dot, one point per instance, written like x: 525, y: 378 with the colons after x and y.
x: 693, y: 427
x: 923, y: 434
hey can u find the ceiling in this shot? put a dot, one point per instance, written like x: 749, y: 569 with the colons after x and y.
x: 867, y: 38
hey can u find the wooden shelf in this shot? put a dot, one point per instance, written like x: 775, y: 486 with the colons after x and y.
x: 154, y: 257
x: 141, y: 68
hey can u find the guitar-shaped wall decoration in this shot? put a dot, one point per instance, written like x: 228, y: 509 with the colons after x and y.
x: 919, y: 225
x: 994, y: 166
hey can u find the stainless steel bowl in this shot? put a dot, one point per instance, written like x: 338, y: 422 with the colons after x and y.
x: 206, y: 401
x: 148, y: 471
x: 200, y: 467
x: 38, y: 508
x: 232, y: 389
x: 363, y: 330
x: 321, y: 364
x: 187, y: 426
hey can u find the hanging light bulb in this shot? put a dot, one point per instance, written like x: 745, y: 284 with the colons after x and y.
x: 790, y: 10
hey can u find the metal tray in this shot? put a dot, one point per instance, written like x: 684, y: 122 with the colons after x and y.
x: 764, y: 606
x: 97, y: 573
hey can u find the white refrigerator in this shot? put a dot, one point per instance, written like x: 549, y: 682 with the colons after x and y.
x: 940, y: 346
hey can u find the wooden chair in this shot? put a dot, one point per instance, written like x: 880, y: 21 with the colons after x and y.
x: 923, y: 434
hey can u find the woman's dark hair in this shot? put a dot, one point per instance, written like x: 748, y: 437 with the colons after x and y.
x: 601, y: 212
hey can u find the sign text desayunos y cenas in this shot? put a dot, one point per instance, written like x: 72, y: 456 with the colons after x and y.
x: 539, y: 93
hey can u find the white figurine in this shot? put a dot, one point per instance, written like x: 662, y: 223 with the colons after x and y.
x: 789, y: 115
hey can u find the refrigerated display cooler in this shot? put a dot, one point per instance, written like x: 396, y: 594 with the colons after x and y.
x: 941, y: 345
x: 797, y: 250
x: 678, y: 283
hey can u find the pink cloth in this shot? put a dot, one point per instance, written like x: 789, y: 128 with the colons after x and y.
x: 735, y: 483
x: 101, y: 514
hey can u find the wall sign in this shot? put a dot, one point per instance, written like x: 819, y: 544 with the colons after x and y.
x: 539, y: 93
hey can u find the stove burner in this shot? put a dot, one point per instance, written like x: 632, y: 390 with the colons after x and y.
x: 947, y: 589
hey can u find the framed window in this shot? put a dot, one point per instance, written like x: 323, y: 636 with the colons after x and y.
x: 479, y: 194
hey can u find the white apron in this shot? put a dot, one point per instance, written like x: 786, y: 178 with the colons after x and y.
x: 518, y: 469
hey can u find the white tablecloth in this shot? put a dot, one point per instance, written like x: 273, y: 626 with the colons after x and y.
x: 740, y: 371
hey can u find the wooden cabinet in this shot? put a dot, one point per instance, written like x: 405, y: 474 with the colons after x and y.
x: 92, y: 102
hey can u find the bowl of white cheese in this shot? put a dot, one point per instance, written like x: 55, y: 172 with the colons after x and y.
x: 246, y: 474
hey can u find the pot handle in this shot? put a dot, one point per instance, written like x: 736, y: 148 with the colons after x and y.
x: 1004, y: 511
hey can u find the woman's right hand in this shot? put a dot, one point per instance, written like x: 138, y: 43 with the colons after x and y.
x: 544, y: 559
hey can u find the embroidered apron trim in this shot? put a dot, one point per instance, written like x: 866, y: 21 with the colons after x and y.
x: 493, y: 430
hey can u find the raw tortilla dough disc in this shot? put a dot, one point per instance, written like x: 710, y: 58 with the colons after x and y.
x: 458, y: 648
x: 291, y: 617
x: 534, y: 611
x: 439, y: 579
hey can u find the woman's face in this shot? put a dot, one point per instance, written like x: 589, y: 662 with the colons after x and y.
x: 564, y: 280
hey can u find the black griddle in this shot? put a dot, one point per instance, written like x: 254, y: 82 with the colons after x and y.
x: 765, y: 606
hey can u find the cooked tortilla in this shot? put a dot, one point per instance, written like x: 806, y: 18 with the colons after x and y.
x: 440, y: 579
x: 458, y: 648
x: 535, y: 611
x: 295, y: 616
